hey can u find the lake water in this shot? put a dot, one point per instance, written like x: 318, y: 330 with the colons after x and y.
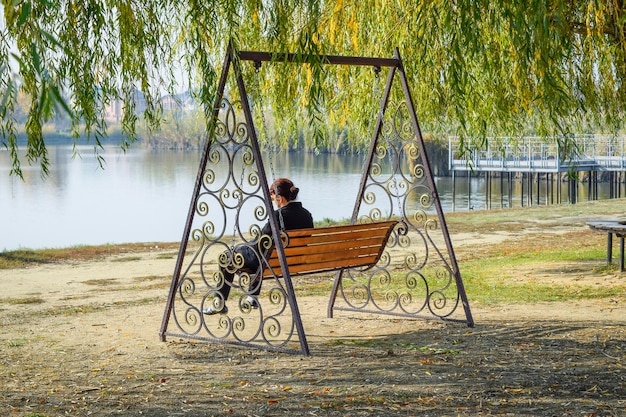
x: 143, y: 195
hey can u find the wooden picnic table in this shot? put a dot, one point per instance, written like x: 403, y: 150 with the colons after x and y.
x: 612, y: 227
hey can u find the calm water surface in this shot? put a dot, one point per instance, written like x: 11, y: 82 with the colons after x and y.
x: 143, y: 195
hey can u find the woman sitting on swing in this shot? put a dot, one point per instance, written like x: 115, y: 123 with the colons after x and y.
x: 290, y: 215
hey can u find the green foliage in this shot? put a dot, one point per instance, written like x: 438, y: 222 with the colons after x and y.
x: 476, y: 68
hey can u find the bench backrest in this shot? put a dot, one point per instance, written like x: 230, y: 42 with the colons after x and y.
x: 331, y: 248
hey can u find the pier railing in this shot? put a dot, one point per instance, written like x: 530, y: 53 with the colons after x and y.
x: 536, y: 154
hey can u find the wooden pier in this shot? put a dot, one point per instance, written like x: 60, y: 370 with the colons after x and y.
x: 533, y: 161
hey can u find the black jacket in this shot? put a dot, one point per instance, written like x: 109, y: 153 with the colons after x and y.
x: 294, y: 217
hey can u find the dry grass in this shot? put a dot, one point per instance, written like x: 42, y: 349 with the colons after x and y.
x: 22, y: 258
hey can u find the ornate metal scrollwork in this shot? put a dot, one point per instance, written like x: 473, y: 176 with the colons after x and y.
x: 228, y: 215
x: 414, y: 277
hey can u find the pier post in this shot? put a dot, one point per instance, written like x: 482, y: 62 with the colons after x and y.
x: 551, y: 182
x: 510, y: 180
x: 488, y: 190
x: 453, y: 191
x: 538, y: 187
x: 612, y: 186
x: 501, y: 190
x: 572, y: 186
x: 522, y: 192
x: 530, y: 189
x: 559, y: 191
x: 469, y: 190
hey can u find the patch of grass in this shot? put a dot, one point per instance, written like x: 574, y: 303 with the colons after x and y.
x: 574, y: 245
x: 494, y: 277
x: 127, y: 259
x: 169, y: 255
x: 26, y: 300
x: 93, y: 308
x: 510, y: 293
x: 150, y: 278
x: 500, y: 259
x: 16, y: 343
x: 160, y: 285
x: 515, y: 219
x: 607, y: 268
x: 101, y: 282
x: 326, y: 222
x: 73, y: 297
x: 313, y: 285
x: 76, y: 310
x: 22, y: 258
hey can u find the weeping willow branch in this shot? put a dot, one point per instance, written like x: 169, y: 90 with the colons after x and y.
x: 476, y: 67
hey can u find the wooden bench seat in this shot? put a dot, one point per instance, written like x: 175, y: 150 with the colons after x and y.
x: 323, y: 249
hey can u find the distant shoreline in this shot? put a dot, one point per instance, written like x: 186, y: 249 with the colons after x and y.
x: 457, y: 222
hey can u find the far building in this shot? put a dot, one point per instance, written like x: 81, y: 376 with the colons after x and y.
x: 113, y: 110
x: 176, y: 105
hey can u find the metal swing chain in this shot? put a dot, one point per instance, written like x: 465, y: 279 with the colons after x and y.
x: 236, y: 225
x: 257, y: 86
x: 395, y: 182
x: 375, y: 91
x: 376, y: 100
x: 243, y: 171
x: 375, y: 108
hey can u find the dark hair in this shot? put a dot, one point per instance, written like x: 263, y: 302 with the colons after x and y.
x: 284, y: 187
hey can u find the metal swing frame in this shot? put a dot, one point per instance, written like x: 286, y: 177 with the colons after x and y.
x: 440, y: 287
